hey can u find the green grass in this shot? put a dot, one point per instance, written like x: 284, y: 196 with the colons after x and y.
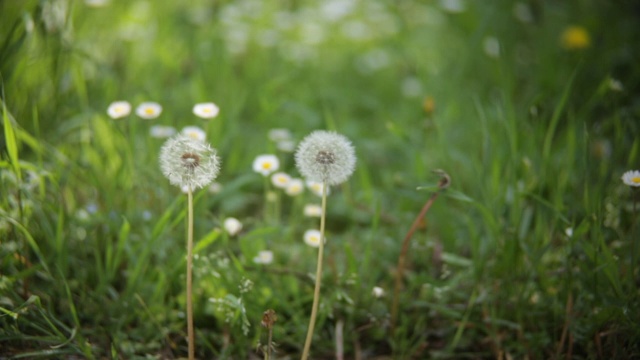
x: 535, y: 140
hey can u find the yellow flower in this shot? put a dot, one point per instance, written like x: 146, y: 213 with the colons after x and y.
x: 575, y: 38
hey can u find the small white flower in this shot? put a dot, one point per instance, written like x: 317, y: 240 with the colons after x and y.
x: 188, y: 162
x: 194, y: 132
x: 162, y: 131
x: 312, y: 238
x: 206, y: 110
x: 149, y: 110
x: 119, y: 109
x: 286, y: 146
x: 96, y: 3
x: 294, y: 187
x: 326, y: 156
x: 491, y: 47
x: 215, y: 187
x: 631, y: 178
x: 232, y: 226
x: 266, y: 164
x: 377, y: 292
x: 316, y: 187
x: 280, y: 180
x: 568, y: 231
x: 264, y: 257
x: 312, y: 210
x: 278, y: 135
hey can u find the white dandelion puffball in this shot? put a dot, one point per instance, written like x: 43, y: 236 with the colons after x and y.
x: 266, y: 164
x: 206, y: 110
x: 631, y: 178
x: 189, y: 162
x: 280, y: 180
x: 312, y: 238
x: 232, y: 226
x: 326, y: 156
x: 294, y: 187
x: 265, y: 257
x: 119, y: 109
x: 149, y: 110
x: 194, y: 132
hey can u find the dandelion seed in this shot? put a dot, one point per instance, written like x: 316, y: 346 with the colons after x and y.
x: 294, y: 187
x: 312, y: 210
x: 266, y: 164
x: 575, y: 38
x: 149, y: 110
x: 280, y: 180
x: 264, y: 257
x: 119, y: 109
x: 326, y: 156
x: 377, y: 292
x: 188, y: 162
x: 631, y: 178
x: 194, y: 132
x: 206, y: 110
x: 162, y: 131
x: 312, y: 238
x: 232, y: 225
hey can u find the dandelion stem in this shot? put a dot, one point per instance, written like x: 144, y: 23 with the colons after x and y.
x: 191, y: 338
x: 444, y: 183
x: 316, y: 292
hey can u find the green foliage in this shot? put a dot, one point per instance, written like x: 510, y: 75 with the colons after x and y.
x: 531, y: 252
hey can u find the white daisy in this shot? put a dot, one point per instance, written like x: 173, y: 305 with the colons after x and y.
x: 377, y: 292
x: 162, y: 131
x: 280, y: 180
x: 149, y: 110
x: 312, y: 210
x: 316, y: 187
x: 312, y: 238
x: 119, y: 109
x: 294, y: 187
x: 266, y: 164
x: 194, y: 132
x: 264, y: 257
x: 206, y: 110
x: 232, y: 226
x: 631, y: 178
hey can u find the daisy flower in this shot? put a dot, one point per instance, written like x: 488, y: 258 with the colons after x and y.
x: 206, y: 110
x: 162, y: 131
x: 189, y: 162
x: 232, y: 226
x: 265, y: 257
x: 326, y: 156
x: 149, y: 110
x: 119, y: 109
x: 194, y: 132
x: 316, y: 187
x: 377, y: 292
x: 312, y: 210
x: 294, y: 187
x: 631, y: 178
x: 312, y: 238
x: 278, y: 135
x: 266, y: 164
x: 280, y: 180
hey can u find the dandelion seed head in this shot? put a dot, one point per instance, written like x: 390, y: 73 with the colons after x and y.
x: 326, y: 156
x: 188, y: 163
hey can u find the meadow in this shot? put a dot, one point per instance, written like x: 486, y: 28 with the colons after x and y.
x: 491, y: 140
